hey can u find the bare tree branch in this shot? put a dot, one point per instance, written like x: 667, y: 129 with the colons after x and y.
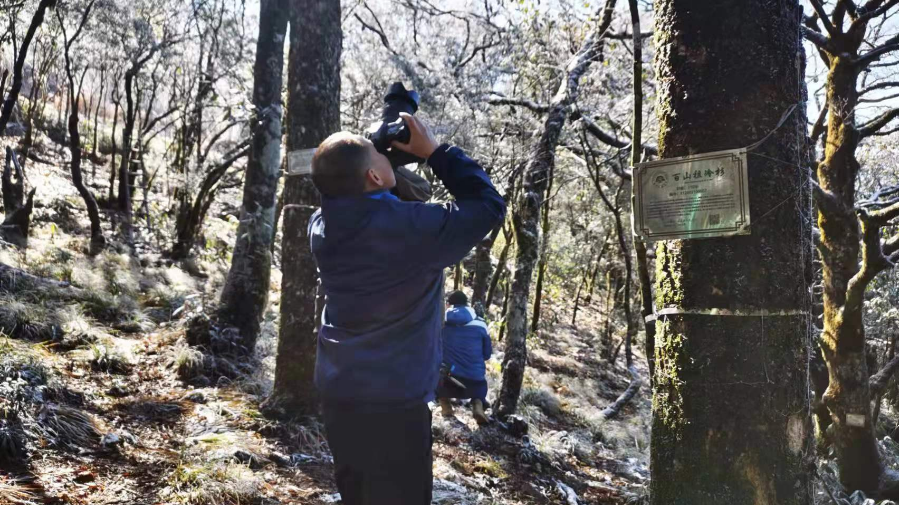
x: 822, y: 15
x: 872, y: 126
x: 865, y: 13
x: 879, y: 85
x: 820, y: 123
x: 531, y: 105
x: 873, y: 55
x: 878, y: 382
x: 819, y: 39
x: 628, y: 36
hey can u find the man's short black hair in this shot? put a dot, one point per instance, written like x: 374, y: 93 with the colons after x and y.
x: 457, y: 298
x: 339, y: 165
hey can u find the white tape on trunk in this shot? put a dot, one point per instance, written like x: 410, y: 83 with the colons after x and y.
x: 675, y: 311
x: 299, y: 162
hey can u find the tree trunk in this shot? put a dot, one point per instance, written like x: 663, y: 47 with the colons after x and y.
x: 112, y: 165
x: 98, y: 241
x: 843, y: 340
x: 314, y: 113
x: 13, y: 183
x: 96, y: 118
x: 500, y: 269
x: 589, y: 277
x: 191, y: 217
x: 13, y: 95
x: 636, y: 155
x: 527, y: 215
x: 125, y: 178
x: 245, y: 294
x: 483, y: 269
x: 730, y: 410
x: 541, y: 264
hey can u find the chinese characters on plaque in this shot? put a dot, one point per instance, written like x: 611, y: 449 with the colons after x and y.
x: 698, y: 196
x: 299, y: 162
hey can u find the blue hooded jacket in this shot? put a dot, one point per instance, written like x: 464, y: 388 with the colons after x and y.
x: 466, y: 344
x: 381, y: 264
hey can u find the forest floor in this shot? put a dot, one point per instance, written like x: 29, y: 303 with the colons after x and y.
x: 103, y: 401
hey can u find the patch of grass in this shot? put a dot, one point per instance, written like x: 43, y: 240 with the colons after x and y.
x: 543, y: 399
x: 28, y: 321
x: 13, y: 439
x: 189, y: 363
x: 490, y: 467
x: 67, y: 427
x: 23, y: 377
x: 214, y: 484
x: 104, y: 358
x: 307, y: 437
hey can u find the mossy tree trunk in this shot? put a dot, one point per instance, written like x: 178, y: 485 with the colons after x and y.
x: 730, y: 407
x: 245, y: 294
x: 316, y: 41
x: 851, y: 231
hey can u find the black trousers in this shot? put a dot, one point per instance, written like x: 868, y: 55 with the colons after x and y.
x: 382, y: 455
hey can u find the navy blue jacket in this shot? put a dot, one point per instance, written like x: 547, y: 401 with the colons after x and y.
x: 466, y: 344
x: 381, y: 265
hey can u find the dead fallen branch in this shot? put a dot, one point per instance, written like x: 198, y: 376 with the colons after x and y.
x: 629, y: 393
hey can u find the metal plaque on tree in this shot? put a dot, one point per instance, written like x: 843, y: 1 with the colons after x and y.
x: 697, y: 196
x: 299, y: 162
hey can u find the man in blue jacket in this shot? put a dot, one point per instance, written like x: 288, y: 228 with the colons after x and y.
x: 381, y: 264
x: 466, y: 346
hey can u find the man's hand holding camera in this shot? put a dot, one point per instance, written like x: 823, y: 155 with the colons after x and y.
x: 421, y: 141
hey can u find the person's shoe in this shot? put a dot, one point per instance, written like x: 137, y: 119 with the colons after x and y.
x: 477, y: 410
x: 446, y: 407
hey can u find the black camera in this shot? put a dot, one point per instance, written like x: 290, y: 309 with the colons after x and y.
x: 391, y: 127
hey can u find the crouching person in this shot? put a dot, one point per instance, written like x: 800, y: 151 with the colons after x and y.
x: 466, y: 346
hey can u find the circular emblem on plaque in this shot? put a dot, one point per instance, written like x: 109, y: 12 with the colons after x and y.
x: 659, y: 179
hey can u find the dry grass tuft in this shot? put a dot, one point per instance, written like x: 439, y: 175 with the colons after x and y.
x: 189, y: 363
x: 214, y: 484
x: 67, y: 427
x: 14, y: 494
x: 104, y: 358
x: 28, y: 321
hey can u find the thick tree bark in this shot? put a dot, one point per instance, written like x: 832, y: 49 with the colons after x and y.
x: 526, y: 218
x: 314, y: 113
x: 730, y: 410
x: 245, y: 294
